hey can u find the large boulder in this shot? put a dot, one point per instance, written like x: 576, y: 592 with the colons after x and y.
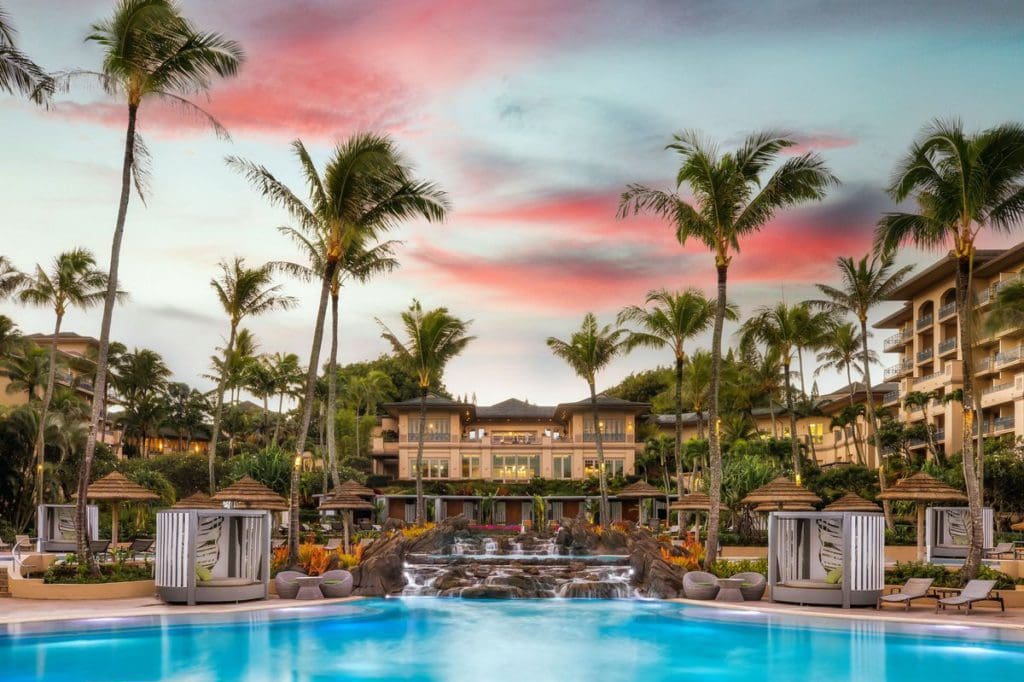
x: 381, y: 571
x: 652, y: 575
x: 492, y: 592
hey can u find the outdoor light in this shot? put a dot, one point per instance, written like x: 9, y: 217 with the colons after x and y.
x: 298, y: 461
x: 798, y: 479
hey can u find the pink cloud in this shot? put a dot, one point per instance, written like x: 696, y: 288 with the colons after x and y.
x: 818, y: 142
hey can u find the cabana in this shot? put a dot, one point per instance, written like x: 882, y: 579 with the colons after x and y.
x: 920, y: 489
x: 229, y: 548
x: 640, y: 490
x: 56, y: 527
x: 826, y: 558
x: 948, y: 531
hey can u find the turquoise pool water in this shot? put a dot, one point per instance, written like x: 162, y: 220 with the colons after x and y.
x: 563, y: 640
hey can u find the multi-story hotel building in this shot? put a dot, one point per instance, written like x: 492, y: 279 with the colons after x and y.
x: 928, y: 358
x: 71, y: 347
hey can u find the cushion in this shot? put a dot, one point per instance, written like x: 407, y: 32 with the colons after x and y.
x: 810, y: 584
x: 834, y: 577
x: 228, y: 582
x: 203, y: 574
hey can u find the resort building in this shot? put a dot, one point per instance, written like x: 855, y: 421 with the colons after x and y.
x: 928, y: 360
x: 512, y: 441
x: 74, y: 350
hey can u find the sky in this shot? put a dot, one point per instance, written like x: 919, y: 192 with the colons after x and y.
x: 533, y: 116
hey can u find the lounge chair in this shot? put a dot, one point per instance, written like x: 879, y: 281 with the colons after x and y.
x: 974, y: 592
x: 22, y: 542
x: 914, y: 588
x: 99, y: 547
x: 141, y: 546
x: 699, y: 585
x: 326, y: 527
x: 1002, y: 549
x: 4, y: 546
x: 333, y: 544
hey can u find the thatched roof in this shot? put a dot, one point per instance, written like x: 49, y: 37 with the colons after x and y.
x: 922, y: 488
x: 198, y: 500
x: 1017, y: 526
x: 781, y: 491
x: 852, y: 502
x: 351, y: 487
x: 346, y: 502
x: 692, y: 502
x: 638, y: 491
x: 115, y: 487
x: 249, y: 493
x: 766, y: 507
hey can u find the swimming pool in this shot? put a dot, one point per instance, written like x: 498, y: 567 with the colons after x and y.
x: 442, y: 639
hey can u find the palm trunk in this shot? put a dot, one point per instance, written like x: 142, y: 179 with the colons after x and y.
x: 355, y: 447
x: 40, y: 447
x: 771, y: 413
x: 856, y: 442
x: 218, y: 410
x: 420, y: 511
x: 800, y: 361
x: 965, y: 309
x: 873, y: 419
x: 307, y: 414
x: 332, y: 394
x: 280, y: 416
x: 100, y: 384
x: 679, y: 427
x: 602, y: 475
x: 715, y: 445
x: 266, y: 416
x: 794, y: 447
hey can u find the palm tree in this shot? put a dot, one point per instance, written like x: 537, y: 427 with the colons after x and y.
x: 839, y: 353
x: 261, y: 382
x: 367, y: 189
x: 243, y: 292
x: 1007, y: 308
x: 366, y: 392
x: 919, y: 400
x: 73, y: 281
x: 151, y: 52
x: 697, y: 386
x: 432, y: 339
x: 10, y: 337
x: 811, y: 333
x: 26, y: 369
x: 186, y: 410
x: 357, y: 263
x: 287, y: 374
x: 766, y: 378
x: 589, y: 350
x: 962, y: 184
x: 17, y: 71
x: 674, y: 317
x: 10, y: 277
x: 731, y: 201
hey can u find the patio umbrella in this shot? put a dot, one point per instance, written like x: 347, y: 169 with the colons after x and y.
x: 853, y: 502
x: 779, y: 494
x: 198, y: 500
x: 693, y: 502
x: 115, y: 488
x: 248, y: 493
x: 640, y: 490
x: 921, y: 488
x: 346, y: 504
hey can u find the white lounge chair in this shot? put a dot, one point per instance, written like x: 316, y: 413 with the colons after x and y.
x: 974, y: 592
x: 914, y: 588
x: 1002, y: 549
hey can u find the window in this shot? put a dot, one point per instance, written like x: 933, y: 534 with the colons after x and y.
x: 612, y: 467
x: 516, y: 467
x: 433, y: 467
x: 437, y: 429
x: 612, y: 430
x: 471, y: 466
x: 816, y: 432
x: 562, y: 466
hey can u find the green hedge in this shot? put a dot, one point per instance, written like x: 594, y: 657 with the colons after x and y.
x: 943, y: 576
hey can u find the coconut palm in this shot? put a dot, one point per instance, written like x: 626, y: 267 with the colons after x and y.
x: 766, y: 377
x: 10, y: 337
x: 431, y: 340
x: 10, y: 277
x: 187, y: 408
x: 243, y: 292
x: 72, y: 282
x: 919, y: 401
x: 26, y: 370
x: 367, y: 189
x: 18, y: 73
x: 839, y: 353
x: 287, y: 375
x: 151, y: 52
x: 366, y: 393
x: 1007, y: 308
x: 672, y: 319
x: 357, y: 263
x: 962, y: 184
x: 589, y: 350
x: 731, y: 200
x: 697, y: 386
x: 812, y: 329
x: 261, y: 382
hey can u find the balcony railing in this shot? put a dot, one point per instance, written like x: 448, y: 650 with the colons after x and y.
x: 939, y: 435
x: 891, y: 398
x: 1001, y: 424
x: 605, y: 437
x: 897, y: 339
x: 927, y: 377
x: 428, y: 437
x: 996, y: 388
x: 896, y: 370
x: 1002, y: 284
x: 1010, y: 356
x: 516, y: 439
x: 947, y: 310
x: 925, y: 354
x: 947, y: 345
x: 985, y: 295
x: 925, y: 321
x: 983, y: 365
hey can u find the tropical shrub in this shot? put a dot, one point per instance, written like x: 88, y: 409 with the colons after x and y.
x: 416, y: 531
x: 943, y: 577
x: 726, y: 568
x: 71, y: 571
x: 314, y: 559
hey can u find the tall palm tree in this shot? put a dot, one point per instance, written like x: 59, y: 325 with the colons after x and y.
x: 432, y: 338
x: 367, y: 189
x: 73, y: 281
x: 1007, y: 308
x: 261, y: 382
x: 287, y: 374
x: 841, y: 350
x: 18, y: 73
x: 731, y: 200
x: 26, y: 369
x: 779, y: 328
x: 673, y: 318
x: 919, y: 400
x: 357, y: 263
x: 10, y: 336
x: 187, y: 408
x: 589, y: 350
x: 151, y: 52
x: 366, y: 393
x: 812, y: 329
x: 10, y: 277
x: 962, y: 184
x: 766, y: 377
x: 697, y: 386
x: 242, y: 292
x: 141, y: 382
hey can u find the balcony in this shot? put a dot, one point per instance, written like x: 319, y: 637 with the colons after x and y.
x: 897, y: 340
x: 427, y: 437
x: 939, y: 435
x: 947, y: 311
x: 1009, y: 357
x: 517, y: 439
x: 996, y: 388
x: 925, y: 355
x: 947, y: 346
x: 1002, y: 392
x: 924, y: 321
x: 1003, y: 283
x: 900, y: 369
x: 891, y: 398
x: 984, y: 296
x: 984, y: 365
x: 999, y: 425
x: 605, y: 437
x: 928, y: 377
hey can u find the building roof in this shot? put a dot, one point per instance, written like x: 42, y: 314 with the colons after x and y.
x: 1008, y: 258
x: 895, y: 319
x: 604, y: 402
x: 942, y: 269
x: 63, y: 336
x: 515, y: 409
x: 433, y: 401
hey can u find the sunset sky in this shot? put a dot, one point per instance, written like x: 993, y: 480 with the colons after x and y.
x: 533, y: 115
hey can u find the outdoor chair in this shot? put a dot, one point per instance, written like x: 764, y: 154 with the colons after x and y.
x: 699, y: 585
x: 753, y: 585
x: 326, y: 527
x: 99, y: 547
x: 974, y: 592
x: 333, y: 544
x: 286, y: 585
x: 277, y: 542
x: 22, y: 542
x: 141, y: 546
x: 336, y: 584
x: 1002, y: 549
x: 365, y: 524
x: 914, y: 588
x: 4, y: 546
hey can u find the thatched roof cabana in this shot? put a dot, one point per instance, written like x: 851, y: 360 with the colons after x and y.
x: 346, y: 504
x: 692, y: 502
x: 248, y: 493
x: 640, y: 490
x: 198, y: 500
x: 921, y: 488
x: 853, y: 502
x: 768, y: 507
x: 779, y: 493
x: 115, y: 488
x: 351, y: 487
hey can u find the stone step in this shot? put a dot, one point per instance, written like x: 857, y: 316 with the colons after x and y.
x: 4, y: 591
